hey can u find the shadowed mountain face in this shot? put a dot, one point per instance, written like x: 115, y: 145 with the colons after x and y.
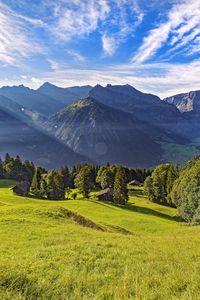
x: 20, y: 111
x: 16, y: 137
x: 117, y: 123
x: 106, y: 134
x: 64, y: 95
x: 145, y: 107
x: 31, y: 99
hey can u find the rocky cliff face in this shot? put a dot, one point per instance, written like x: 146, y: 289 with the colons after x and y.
x: 188, y: 102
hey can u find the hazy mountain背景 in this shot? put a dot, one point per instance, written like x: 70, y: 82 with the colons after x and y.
x: 104, y: 134
x: 16, y: 137
x: 115, y: 123
x: 146, y: 107
x: 46, y: 100
x: 64, y: 95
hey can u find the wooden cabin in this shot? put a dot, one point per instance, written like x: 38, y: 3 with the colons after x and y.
x: 22, y: 188
x: 135, y: 183
x: 105, y: 195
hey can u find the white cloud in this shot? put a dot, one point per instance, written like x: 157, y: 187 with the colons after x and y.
x: 15, y: 41
x: 76, y: 56
x: 125, y: 19
x: 36, y: 82
x: 161, y: 79
x: 181, y: 20
x: 23, y: 76
x: 108, y: 44
x: 53, y: 64
x: 78, y: 18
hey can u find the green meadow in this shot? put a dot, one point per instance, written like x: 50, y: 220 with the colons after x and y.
x: 86, y: 249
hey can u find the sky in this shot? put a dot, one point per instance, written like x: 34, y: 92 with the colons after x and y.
x: 152, y: 45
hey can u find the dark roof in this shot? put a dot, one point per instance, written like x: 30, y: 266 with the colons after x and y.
x: 24, y: 186
x: 108, y: 191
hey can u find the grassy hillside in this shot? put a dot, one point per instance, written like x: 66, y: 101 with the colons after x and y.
x: 80, y: 249
x: 179, y: 154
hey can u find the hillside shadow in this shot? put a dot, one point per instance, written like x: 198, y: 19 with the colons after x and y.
x: 139, y: 209
x: 106, y: 204
x: 149, y: 211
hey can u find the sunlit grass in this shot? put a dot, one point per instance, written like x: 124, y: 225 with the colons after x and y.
x: 142, y: 252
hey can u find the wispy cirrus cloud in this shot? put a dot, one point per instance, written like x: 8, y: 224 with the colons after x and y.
x: 15, y: 40
x: 76, y: 56
x: 78, y: 18
x: 161, y: 79
x: 126, y: 18
x: 111, y: 19
x: 181, y: 26
x: 108, y: 44
x: 54, y: 64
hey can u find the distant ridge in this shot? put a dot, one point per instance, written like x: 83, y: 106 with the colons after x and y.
x: 17, y: 137
x: 115, y: 123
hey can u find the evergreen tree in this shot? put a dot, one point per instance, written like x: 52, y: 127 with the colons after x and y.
x: 28, y: 170
x: 59, y: 186
x: 120, y: 187
x: 43, y: 186
x: 148, y: 186
x: 7, y: 158
x: 1, y: 169
x: 84, y: 181
x: 36, y: 181
x: 66, y: 177
x: 105, y: 177
x: 55, y: 186
x: 159, y: 185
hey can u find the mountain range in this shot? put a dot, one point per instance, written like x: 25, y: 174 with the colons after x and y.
x: 116, y: 123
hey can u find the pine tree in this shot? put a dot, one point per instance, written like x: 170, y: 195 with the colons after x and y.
x: 148, y: 187
x: 105, y: 177
x: 1, y: 169
x: 28, y: 170
x: 55, y: 186
x: 43, y: 186
x: 84, y: 181
x: 59, y: 186
x: 66, y: 176
x: 36, y: 181
x: 7, y: 158
x: 120, y: 187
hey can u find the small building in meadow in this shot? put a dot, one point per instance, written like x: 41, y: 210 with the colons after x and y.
x: 135, y: 183
x: 22, y: 188
x: 105, y: 195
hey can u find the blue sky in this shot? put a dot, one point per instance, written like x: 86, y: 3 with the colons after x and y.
x: 152, y: 45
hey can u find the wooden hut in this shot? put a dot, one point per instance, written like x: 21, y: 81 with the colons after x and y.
x: 135, y: 183
x: 22, y: 188
x: 105, y: 195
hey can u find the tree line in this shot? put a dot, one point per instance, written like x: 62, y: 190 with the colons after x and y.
x: 167, y: 184
x: 177, y: 187
x: 57, y: 184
